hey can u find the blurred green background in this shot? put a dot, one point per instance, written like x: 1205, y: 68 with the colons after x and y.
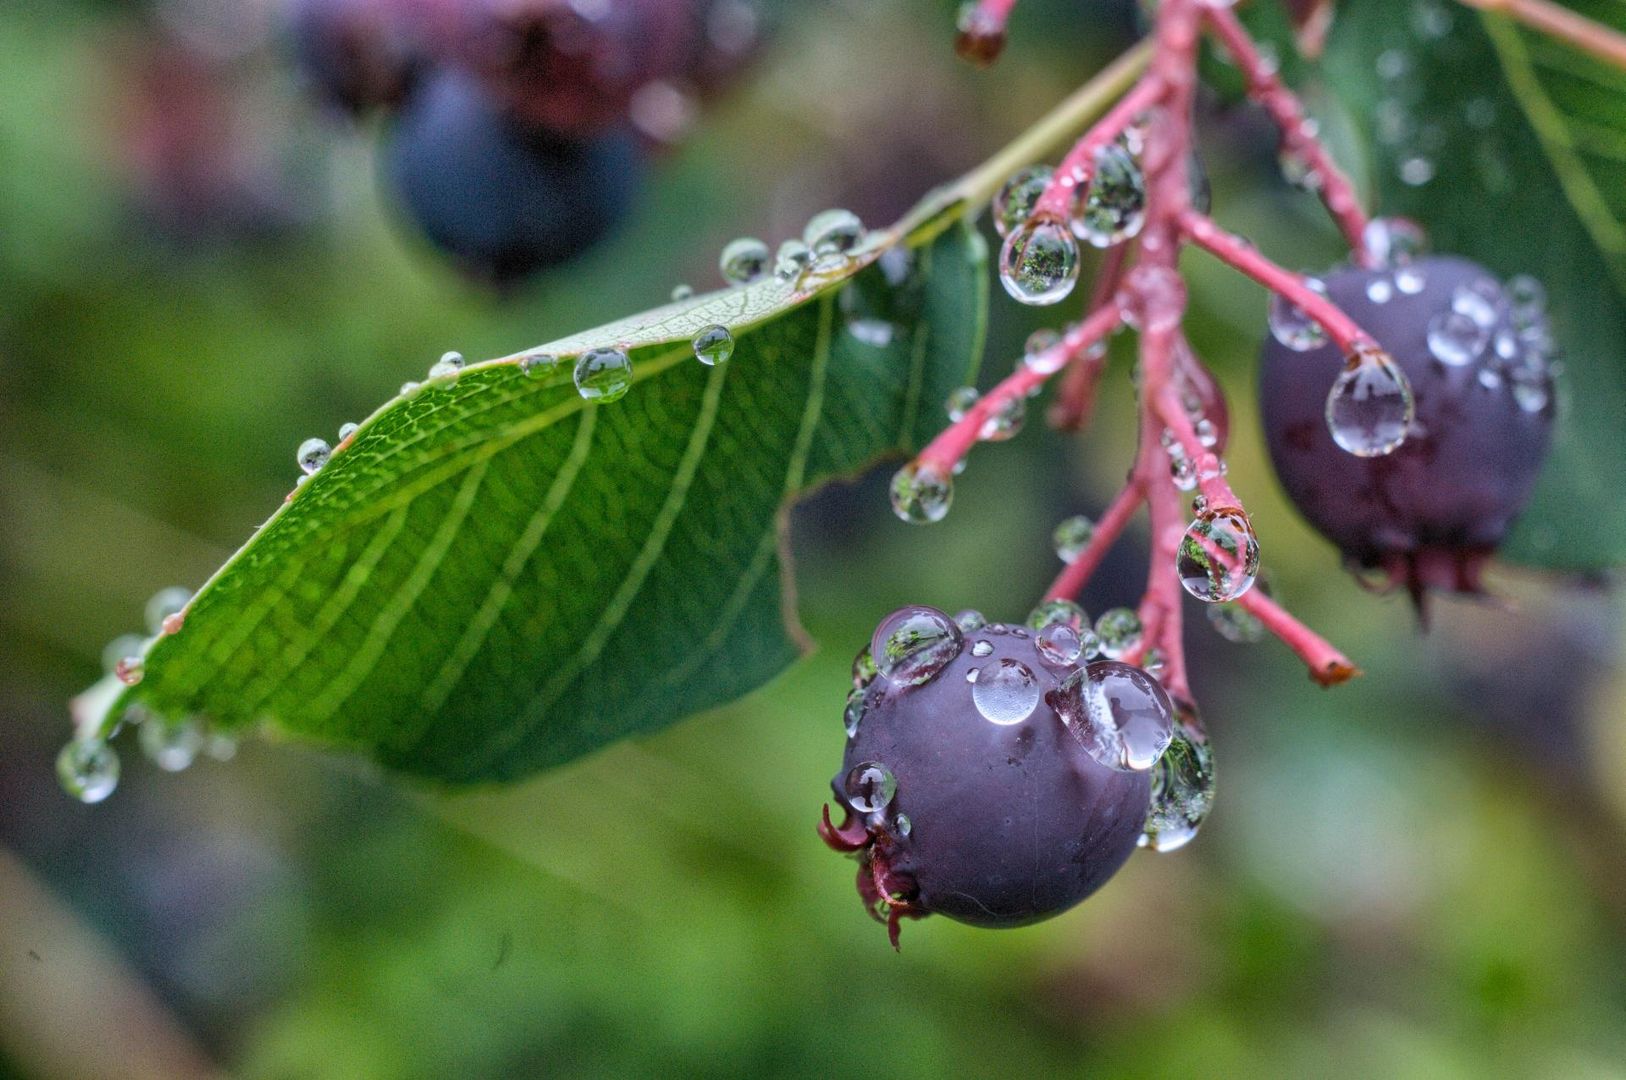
x: 1422, y: 874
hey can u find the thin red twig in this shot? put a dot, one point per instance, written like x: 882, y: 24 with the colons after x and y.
x: 1074, y: 171
x: 1284, y: 107
x: 1327, y: 665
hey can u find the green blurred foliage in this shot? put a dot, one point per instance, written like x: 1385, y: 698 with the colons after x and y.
x: 1421, y: 874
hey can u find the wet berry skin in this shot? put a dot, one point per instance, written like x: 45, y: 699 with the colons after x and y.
x: 1008, y: 823
x: 502, y: 199
x: 1430, y: 513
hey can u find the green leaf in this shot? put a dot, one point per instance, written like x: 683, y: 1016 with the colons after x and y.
x: 497, y: 576
x: 1526, y: 139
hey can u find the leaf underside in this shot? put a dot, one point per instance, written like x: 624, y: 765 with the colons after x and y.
x: 496, y: 576
x: 1526, y: 138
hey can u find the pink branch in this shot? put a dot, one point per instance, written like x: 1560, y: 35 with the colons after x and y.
x: 1238, y: 253
x: 955, y: 441
x: 1074, y: 171
x: 1264, y: 87
x: 1073, y: 577
x: 1327, y: 665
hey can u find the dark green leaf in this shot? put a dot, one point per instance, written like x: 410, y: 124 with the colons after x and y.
x: 497, y: 576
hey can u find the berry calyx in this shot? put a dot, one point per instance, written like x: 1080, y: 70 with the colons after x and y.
x: 1478, y: 359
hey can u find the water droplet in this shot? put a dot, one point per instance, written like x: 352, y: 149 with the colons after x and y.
x: 969, y: 620
x: 713, y: 345
x: 1370, y: 406
x: 853, y: 714
x: 1455, y: 338
x: 1531, y: 396
x: 1234, y: 624
x: 1182, y: 786
x: 903, y: 825
x: 792, y: 261
x: 313, y: 454
x: 982, y: 648
x: 1043, y: 352
x: 1218, y: 559
x: 170, y: 746
x: 1154, y: 663
x: 1410, y: 280
x: 1207, y: 433
x: 1119, y: 632
x: 1118, y: 713
x: 538, y: 365
x: 1392, y: 242
x: 603, y: 375
x: 744, y: 261
x: 125, y: 645
x: 1380, y: 290
x: 1114, y: 205
x: 870, y: 787
x: 1295, y: 163
x: 449, y: 364
x: 347, y: 430
x: 1018, y: 196
x: 88, y: 769
x: 1072, y: 536
x: 1490, y: 378
x: 914, y: 643
x: 1416, y: 170
x: 1182, y: 470
x: 921, y: 494
x: 164, y: 603
x: 1005, y: 422
x: 409, y: 388
x: 1058, y: 613
x: 863, y: 668
x: 1478, y: 300
x: 1290, y: 325
x: 960, y: 402
x: 129, y: 670
x: 1005, y: 692
x: 220, y: 747
x: 681, y: 292
x: 1039, y: 262
x: 1059, y: 644
x: 833, y: 230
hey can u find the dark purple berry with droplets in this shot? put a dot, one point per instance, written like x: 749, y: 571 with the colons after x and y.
x: 1479, y: 359
x: 502, y: 199
x: 986, y: 775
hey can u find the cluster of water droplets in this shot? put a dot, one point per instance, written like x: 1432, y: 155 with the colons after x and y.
x: 1120, y: 714
x: 826, y: 246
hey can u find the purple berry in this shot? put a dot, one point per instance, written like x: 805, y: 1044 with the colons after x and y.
x: 1478, y: 357
x: 967, y: 793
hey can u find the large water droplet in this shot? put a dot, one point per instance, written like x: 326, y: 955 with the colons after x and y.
x: 538, y: 365
x: 1119, y: 632
x: 914, y: 643
x: 1005, y: 692
x: 713, y: 345
x: 921, y: 494
x: 1370, y: 406
x: 1058, y: 613
x: 1039, y: 262
x: 449, y: 364
x: 1059, y: 644
x: 1118, y: 713
x: 744, y: 261
x: 1290, y: 325
x: 88, y: 769
x: 603, y: 375
x: 969, y: 620
x: 870, y: 787
x: 170, y: 746
x: 1219, y: 556
x: 1072, y: 536
x: 313, y: 454
x: 792, y: 261
x: 348, y: 429
x: 833, y: 230
x: 1018, y: 196
x: 1114, y: 205
x: 1182, y: 786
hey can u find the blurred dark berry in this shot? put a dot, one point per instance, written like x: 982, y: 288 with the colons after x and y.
x: 357, y: 54
x: 504, y: 200
x: 1478, y: 356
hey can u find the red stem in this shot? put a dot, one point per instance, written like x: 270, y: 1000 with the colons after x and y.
x: 1243, y: 256
x: 1073, y: 577
x: 1074, y: 171
x: 1264, y: 87
x: 956, y: 440
x: 1327, y: 665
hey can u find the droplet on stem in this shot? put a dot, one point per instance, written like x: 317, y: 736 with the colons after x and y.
x: 1218, y: 559
x: 1370, y: 406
